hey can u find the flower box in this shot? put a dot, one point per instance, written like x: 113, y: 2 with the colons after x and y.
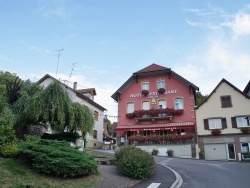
x: 145, y: 92
x: 216, y: 132
x: 245, y: 130
x: 161, y: 90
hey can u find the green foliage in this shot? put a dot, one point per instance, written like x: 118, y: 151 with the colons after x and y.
x: 67, y: 136
x: 31, y: 138
x: 4, y: 77
x: 155, y: 151
x: 12, y: 90
x: 7, y: 134
x: 200, y: 98
x: 134, y: 162
x: 57, y: 158
x: 109, y: 125
x: 8, y: 149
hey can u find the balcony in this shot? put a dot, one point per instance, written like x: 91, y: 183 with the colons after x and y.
x: 153, y: 114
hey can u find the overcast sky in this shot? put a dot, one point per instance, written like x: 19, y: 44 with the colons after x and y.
x: 105, y: 41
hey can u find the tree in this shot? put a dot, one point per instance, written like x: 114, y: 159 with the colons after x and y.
x: 12, y: 90
x: 51, y: 106
x: 200, y: 98
x: 109, y: 125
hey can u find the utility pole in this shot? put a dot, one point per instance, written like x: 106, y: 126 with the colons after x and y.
x: 58, y: 56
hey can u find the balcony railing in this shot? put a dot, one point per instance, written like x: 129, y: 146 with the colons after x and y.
x: 168, y: 139
x: 154, y: 113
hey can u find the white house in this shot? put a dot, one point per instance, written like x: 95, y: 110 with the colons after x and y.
x: 84, y: 97
x: 223, y: 123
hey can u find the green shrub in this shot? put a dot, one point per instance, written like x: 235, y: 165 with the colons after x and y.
x: 155, y: 152
x: 67, y: 136
x: 57, y: 158
x: 134, y: 162
x: 30, y: 138
x: 8, y: 149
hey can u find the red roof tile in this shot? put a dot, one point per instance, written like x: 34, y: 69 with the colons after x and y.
x: 152, y: 67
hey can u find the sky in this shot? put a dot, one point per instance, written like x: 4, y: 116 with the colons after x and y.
x: 100, y: 44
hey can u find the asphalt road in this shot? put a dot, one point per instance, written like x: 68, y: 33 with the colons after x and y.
x: 203, y: 174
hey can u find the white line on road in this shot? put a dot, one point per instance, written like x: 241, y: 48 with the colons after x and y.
x: 154, y: 185
x: 178, y: 182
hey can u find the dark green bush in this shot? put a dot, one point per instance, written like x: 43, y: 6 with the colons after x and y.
x: 134, y: 162
x: 67, y: 136
x: 57, y: 158
x: 155, y: 151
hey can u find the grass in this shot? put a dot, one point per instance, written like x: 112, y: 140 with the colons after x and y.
x: 15, y: 175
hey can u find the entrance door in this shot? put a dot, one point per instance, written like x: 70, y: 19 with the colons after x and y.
x: 231, y: 151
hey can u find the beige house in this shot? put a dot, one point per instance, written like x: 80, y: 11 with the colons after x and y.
x: 223, y: 122
x: 86, y: 98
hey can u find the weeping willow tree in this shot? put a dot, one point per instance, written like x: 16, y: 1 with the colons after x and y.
x: 52, y: 106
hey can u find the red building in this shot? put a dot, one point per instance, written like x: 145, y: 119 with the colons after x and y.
x: 156, y: 106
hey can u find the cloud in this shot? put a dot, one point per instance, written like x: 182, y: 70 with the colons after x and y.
x: 33, y: 47
x: 239, y: 24
x: 193, y: 23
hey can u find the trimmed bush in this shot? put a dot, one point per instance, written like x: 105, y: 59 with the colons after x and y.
x: 67, y: 136
x: 8, y: 149
x: 134, y: 162
x: 155, y: 151
x: 57, y: 158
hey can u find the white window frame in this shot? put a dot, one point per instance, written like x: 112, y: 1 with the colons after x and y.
x: 161, y: 102
x: 215, y: 123
x: 130, y: 107
x: 161, y: 84
x: 145, y: 85
x: 241, y: 122
x: 178, y: 103
x: 145, y: 105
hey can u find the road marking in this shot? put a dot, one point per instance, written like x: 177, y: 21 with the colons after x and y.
x: 154, y: 185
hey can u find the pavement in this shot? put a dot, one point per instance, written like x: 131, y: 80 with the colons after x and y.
x: 112, y: 178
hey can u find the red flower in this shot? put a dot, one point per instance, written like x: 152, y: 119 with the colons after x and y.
x: 145, y: 92
x: 161, y: 90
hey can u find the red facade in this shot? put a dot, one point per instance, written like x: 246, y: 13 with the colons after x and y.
x: 155, y: 102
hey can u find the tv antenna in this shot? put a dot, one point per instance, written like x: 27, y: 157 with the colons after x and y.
x: 72, y: 69
x: 58, y: 56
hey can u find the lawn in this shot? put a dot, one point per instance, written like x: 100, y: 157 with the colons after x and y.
x: 15, y: 175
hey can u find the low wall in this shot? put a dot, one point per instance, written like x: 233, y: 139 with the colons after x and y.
x: 180, y: 150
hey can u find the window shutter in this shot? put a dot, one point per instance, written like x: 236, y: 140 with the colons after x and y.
x: 224, y: 123
x: 206, y: 127
x: 234, y: 124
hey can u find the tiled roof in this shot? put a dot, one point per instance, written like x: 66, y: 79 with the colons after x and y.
x: 152, y: 67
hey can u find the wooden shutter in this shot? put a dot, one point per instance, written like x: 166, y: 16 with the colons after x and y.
x: 96, y: 115
x: 234, y: 124
x: 224, y: 123
x: 206, y: 127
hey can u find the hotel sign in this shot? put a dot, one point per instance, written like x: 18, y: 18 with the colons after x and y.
x: 153, y: 94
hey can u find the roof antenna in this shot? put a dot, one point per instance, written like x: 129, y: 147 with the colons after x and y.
x: 58, y: 56
x: 72, y: 69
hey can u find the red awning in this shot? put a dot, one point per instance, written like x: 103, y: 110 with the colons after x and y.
x: 160, y: 126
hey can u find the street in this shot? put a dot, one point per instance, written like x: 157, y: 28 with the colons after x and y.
x: 204, y: 174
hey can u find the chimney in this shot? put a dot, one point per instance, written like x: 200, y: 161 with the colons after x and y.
x: 75, y: 86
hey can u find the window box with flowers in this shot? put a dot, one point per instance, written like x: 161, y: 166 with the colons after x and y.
x: 245, y: 130
x: 216, y: 132
x: 145, y: 93
x: 161, y: 90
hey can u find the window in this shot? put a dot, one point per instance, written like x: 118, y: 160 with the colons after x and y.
x: 215, y: 123
x: 240, y: 121
x: 145, y: 86
x: 163, y: 132
x: 160, y: 84
x: 162, y: 104
x: 95, y: 134
x: 145, y: 105
x: 96, y: 116
x: 130, y: 107
x: 226, y: 101
x: 180, y: 131
x: 178, y: 103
